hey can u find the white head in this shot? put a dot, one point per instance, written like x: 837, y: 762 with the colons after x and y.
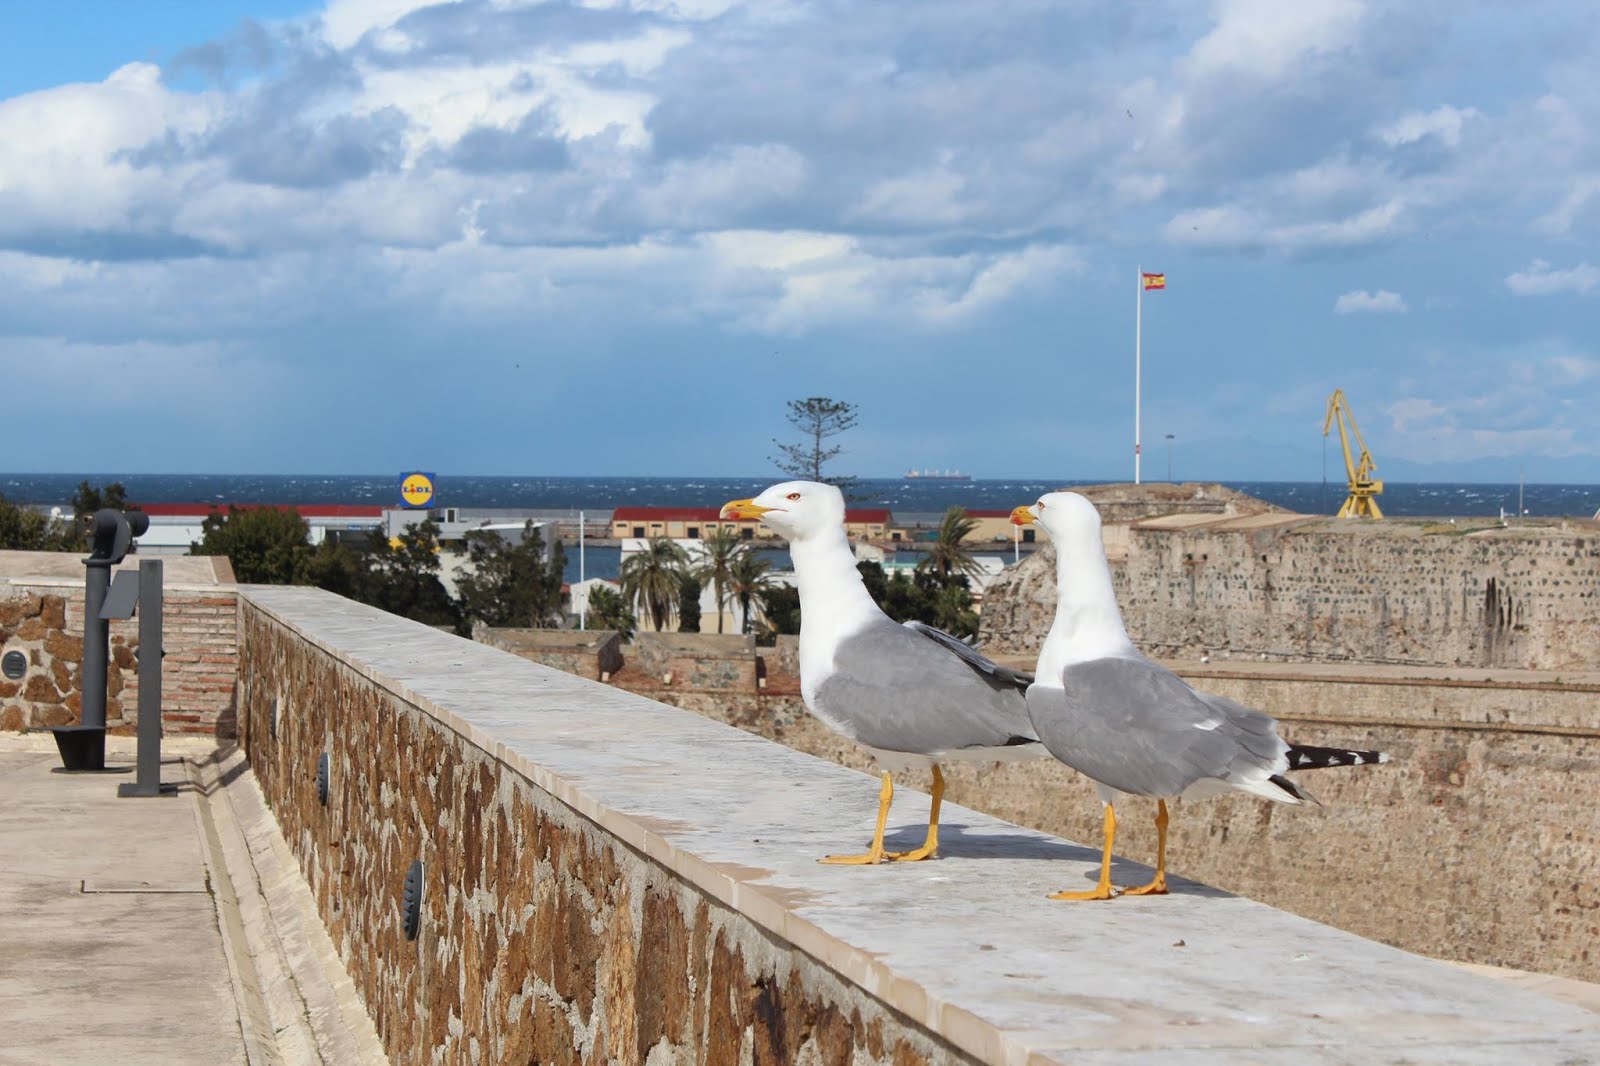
x: 799, y: 510
x: 1071, y: 520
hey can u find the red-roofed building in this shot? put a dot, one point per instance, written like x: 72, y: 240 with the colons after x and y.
x: 308, y: 511
x: 694, y: 523
x: 174, y: 526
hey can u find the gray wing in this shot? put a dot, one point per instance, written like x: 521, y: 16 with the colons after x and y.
x: 895, y: 689
x: 971, y: 656
x: 1140, y: 728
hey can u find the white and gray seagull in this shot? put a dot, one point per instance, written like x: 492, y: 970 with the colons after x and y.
x: 912, y: 695
x: 1130, y: 725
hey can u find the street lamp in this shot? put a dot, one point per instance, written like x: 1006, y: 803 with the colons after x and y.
x: 1169, y: 456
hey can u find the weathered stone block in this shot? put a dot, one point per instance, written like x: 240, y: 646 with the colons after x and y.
x: 65, y: 647
x: 40, y: 688
x: 14, y: 609
x: 53, y: 611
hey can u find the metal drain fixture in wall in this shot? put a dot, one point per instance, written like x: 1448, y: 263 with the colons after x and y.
x: 322, y: 779
x: 14, y: 665
x: 411, y: 901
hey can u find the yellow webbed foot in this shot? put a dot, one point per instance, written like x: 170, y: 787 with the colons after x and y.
x: 1157, y: 887
x: 1097, y: 892
x: 871, y: 858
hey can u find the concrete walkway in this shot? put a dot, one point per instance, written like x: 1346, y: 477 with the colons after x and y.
x: 168, y: 931
x: 111, y: 950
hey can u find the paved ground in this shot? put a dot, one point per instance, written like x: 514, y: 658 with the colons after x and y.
x: 166, y: 931
x: 111, y: 951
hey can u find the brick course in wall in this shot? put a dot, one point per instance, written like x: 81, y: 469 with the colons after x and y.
x: 544, y: 938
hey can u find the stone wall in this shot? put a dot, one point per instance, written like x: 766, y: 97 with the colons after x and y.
x: 1324, y: 591
x: 595, y: 654
x: 608, y: 879
x: 41, y: 614
x: 545, y: 938
x: 50, y: 693
x: 709, y: 661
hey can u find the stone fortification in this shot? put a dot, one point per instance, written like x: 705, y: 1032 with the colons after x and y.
x: 592, y: 653
x: 1279, y: 587
x: 609, y: 880
x: 1127, y: 502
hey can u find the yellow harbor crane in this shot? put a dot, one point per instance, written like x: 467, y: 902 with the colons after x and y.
x: 1364, y: 488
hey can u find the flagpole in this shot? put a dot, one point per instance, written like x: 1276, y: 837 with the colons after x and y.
x: 1138, y: 324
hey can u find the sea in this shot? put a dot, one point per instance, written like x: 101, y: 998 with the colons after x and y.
x: 905, y: 497
x: 914, y: 502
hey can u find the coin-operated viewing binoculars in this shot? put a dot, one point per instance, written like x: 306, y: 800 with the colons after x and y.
x: 83, y: 746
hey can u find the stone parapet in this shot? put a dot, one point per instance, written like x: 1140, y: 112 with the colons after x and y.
x: 609, y: 879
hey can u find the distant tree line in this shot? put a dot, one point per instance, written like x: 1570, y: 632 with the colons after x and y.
x: 28, y: 529
x: 510, y: 581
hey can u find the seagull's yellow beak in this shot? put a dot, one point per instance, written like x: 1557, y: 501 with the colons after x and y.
x: 1021, y: 516
x: 743, y: 509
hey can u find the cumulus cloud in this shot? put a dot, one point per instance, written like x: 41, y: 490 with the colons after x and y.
x: 1541, y: 279
x: 1266, y: 39
x: 1359, y: 301
x: 1443, y: 124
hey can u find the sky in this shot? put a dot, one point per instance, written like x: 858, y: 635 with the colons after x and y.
x: 614, y: 237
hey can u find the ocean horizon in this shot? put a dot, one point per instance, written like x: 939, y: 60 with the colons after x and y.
x: 904, y: 496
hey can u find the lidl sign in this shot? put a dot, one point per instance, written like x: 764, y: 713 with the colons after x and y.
x: 416, y: 489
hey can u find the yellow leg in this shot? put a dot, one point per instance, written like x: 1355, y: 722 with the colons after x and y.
x: 930, y: 846
x: 1158, y: 885
x: 1101, y: 890
x: 874, y: 854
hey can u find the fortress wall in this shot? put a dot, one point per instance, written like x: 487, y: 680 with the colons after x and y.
x: 606, y: 879
x: 553, y: 930
x: 1319, y: 592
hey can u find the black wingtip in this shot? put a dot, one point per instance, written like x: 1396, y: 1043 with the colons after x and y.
x: 1312, y: 757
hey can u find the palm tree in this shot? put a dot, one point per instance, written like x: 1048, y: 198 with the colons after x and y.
x: 947, y: 555
x: 718, y: 554
x: 608, y: 610
x: 654, y: 576
x: 746, y: 577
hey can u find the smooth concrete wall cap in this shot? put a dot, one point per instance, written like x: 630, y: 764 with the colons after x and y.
x: 49, y: 568
x: 966, y: 946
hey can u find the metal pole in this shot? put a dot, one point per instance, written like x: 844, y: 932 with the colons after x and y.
x: 96, y: 641
x: 1138, y: 325
x: 583, y: 610
x: 148, y: 781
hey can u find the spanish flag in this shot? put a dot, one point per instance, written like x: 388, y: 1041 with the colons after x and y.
x: 1154, y: 281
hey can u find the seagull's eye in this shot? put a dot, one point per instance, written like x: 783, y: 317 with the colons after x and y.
x: 1040, y: 505
x: 794, y: 495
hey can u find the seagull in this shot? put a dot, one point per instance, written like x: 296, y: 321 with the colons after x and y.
x: 912, y: 695
x: 1134, y: 727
